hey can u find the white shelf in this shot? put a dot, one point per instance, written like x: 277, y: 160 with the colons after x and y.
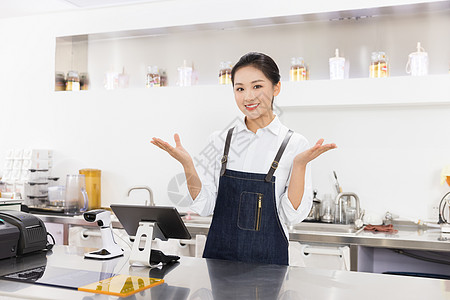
x: 393, y: 91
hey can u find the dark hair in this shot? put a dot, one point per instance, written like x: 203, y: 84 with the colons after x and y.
x: 261, y: 62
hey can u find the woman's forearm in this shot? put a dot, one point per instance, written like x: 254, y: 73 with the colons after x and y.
x: 297, y: 184
x: 192, y: 179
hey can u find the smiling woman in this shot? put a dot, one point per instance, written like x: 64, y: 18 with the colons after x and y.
x: 255, y: 87
x: 263, y: 181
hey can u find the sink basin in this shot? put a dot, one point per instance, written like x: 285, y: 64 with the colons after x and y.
x: 304, y: 226
x: 198, y: 220
x: 325, y: 227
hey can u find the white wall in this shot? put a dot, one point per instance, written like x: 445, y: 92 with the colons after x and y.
x: 391, y: 157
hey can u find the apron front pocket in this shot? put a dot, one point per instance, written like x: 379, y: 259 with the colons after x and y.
x: 249, y: 215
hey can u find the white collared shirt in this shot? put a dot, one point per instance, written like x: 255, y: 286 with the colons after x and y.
x: 254, y: 153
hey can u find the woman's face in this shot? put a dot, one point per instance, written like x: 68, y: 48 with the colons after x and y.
x: 254, y: 92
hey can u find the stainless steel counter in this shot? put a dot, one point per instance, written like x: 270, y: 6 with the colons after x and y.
x: 407, y: 237
x: 197, y: 278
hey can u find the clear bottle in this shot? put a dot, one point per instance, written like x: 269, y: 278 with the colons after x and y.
x: 337, y: 66
x: 379, y: 67
x: 298, y: 70
x: 225, y: 72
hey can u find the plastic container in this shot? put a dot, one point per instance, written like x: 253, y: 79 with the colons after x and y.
x: 184, y: 75
x: 417, y: 64
x: 56, y: 195
x: 337, y: 66
x: 36, y: 189
x: 75, y: 199
x: 93, y: 187
x: 38, y: 175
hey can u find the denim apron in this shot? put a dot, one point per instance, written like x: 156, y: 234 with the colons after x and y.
x: 245, y: 225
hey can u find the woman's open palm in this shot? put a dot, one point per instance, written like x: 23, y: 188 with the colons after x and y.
x: 313, y: 152
x: 177, y: 152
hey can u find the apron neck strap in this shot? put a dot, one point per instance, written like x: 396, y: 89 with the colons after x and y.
x: 225, y: 151
x: 274, y: 165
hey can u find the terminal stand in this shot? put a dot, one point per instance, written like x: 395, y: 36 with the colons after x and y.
x: 150, y: 231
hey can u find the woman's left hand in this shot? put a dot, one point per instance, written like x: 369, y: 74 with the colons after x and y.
x: 313, y: 152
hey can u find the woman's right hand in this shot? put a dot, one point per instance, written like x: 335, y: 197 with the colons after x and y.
x: 177, y: 152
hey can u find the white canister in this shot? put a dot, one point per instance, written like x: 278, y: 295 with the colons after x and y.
x: 417, y: 62
x: 337, y: 66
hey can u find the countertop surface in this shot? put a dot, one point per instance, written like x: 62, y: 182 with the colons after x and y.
x: 198, y: 278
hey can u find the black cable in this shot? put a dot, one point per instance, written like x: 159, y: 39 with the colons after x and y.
x: 50, y: 246
x: 442, y: 214
x: 433, y: 260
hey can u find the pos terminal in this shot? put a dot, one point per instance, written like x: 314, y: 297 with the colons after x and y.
x: 150, y: 222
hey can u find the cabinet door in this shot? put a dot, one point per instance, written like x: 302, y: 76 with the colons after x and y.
x: 398, y: 261
x: 324, y: 256
x: 57, y: 231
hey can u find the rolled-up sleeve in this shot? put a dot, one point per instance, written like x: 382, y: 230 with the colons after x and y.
x: 288, y: 213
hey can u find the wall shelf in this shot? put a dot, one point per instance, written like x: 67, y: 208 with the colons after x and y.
x: 393, y: 91
x: 309, y: 32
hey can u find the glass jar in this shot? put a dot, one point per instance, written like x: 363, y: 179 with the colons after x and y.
x: 327, y: 209
x: 379, y: 67
x: 60, y: 82
x: 298, y: 71
x: 225, y: 72
x: 163, y: 78
x: 153, y: 78
x: 73, y: 81
x: 84, y: 81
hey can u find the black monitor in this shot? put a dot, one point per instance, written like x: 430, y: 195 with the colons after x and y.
x: 166, y: 217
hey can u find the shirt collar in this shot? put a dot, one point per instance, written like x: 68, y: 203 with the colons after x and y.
x: 274, y: 126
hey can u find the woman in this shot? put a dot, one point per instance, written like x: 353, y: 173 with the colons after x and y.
x: 257, y: 189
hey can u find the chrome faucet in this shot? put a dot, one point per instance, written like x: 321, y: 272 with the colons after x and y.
x: 339, y: 199
x: 144, y: 187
